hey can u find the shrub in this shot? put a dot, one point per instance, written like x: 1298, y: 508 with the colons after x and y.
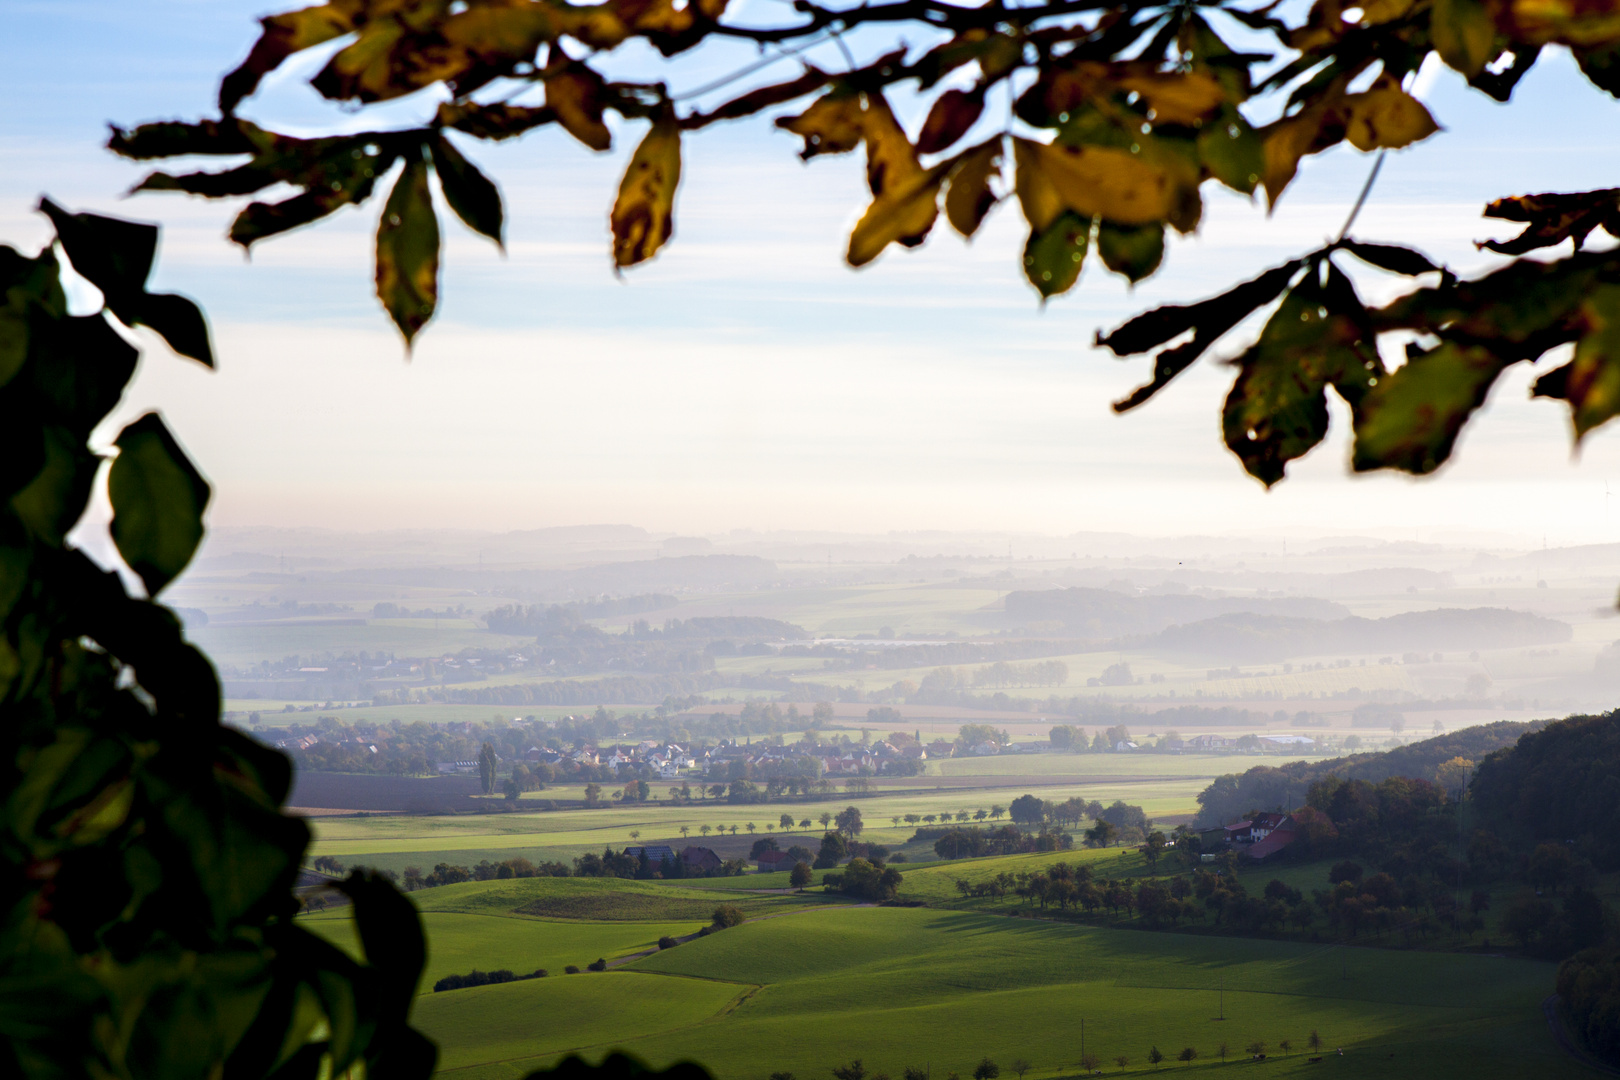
x: 667, y: 942
x: 483, y: 978
x: 899, y: 856
x: 727, y: 915
x: 1345, y: 871
x: 599, y: 965
x: 571, y: 969
x: 986, y: 1070
x: 706, y: 931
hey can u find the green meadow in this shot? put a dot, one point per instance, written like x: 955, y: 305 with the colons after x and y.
x: 941, y: 989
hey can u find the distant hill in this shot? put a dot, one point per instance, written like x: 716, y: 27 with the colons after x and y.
x: 1260, y: 638
x: 751, y: 627
x: 1279, y: 787
x: 1104, y: 613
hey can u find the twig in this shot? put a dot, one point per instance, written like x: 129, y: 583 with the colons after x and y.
x: 1366, y: 189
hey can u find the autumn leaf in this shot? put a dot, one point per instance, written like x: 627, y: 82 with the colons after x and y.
x: 574, y: 95
x: 1385, y: 116
x: 408, y: 251
x: 903, y: 213
x: 1310, y: 131
x: 949, y: 119
x: 905, y: 196
x: 469, y: 192
x: 284, y: 35
x: 1108, y: 183
x: 968, y: 195
x: 833, y: 124
x: 1552, y: 217
x: 1232, y: 151
x: 643, y: 217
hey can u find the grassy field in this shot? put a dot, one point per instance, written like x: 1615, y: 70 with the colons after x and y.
x: 941, y: 989
x: 461, y: 941
x: 384, y: 840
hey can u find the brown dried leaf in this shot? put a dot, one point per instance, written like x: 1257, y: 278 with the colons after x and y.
x: 643, y: 217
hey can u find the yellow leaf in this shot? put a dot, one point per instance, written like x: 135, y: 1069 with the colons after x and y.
x: 1117, y: 185
x: 1037, y: 195
x: 575, y: 95
x: 890, y: 157
x: 905, y: 213
x: 1175, y: 97
x: 833, y: 124
x: 1309, y: 131
x: 643, y: 216
x: 1386, y: 116
x: 969, y: 197
x: 1378, y: 12
x: 1581, y: 23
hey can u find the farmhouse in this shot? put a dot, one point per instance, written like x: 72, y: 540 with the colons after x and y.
x: 774, y: 860
x: 655, y: 853
x: 701, y: 859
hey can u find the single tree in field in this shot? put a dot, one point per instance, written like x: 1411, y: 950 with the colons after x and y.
x: 1286, y: 1046
x: 895, y: 821
x: 986, y: 1070
x: 1122, y: 1061
x: 849, y: 822
x: 705, y: 829
x: 685, y: 829
x: 486, y: 767
x: 853, y: 1071
x: 980, y: 814
x: 635, y: 834
x: 751, y: 827
x: 716, y: 790
x: 914, y: 1073
x: 1314, y: 1042
x: 733, y: 830
x: 785, y: 822
x: 1223, y: 1050
x: 825, y: 818
x: 805, y: 824
x: 1090, y: 1062
x: 929, y: 819
x: 1256, y: 1048
x: 996, y: 812
x: 800, y: 875
x: 1020, y: 1066
x: 1188, y: 1054
x: 1154, y: 1056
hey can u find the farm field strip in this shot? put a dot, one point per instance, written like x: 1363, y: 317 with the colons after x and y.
x: 915, y: 986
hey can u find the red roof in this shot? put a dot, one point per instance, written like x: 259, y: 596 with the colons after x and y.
x: 1279, y: 839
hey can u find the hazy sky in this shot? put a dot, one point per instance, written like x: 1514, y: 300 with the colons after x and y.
x: 747, y: 378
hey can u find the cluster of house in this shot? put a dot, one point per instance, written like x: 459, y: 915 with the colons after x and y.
x: 1256, y: 838
x: 1222, y: 742
x: 696, y: 859
x: 670, y: 760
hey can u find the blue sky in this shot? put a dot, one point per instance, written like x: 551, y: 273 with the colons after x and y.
x: 747, y: 378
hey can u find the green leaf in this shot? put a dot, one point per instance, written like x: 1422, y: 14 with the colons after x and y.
x: 1411, y: 419
x: 1462, y: 32
x: 158, y: 499
x: 476, y: 200
x: 1392, y: 257
x: 57, y: 491
x: 1277, y: 409
x: 1133, y: 252
x: 116, y: 257
x: 408, y: 251
x: 1591, y: 382
x: 1053, y: 256
x: 390, y: 933
x: 1232, y: 151
x: 1209, y: 320
x: 969, y: 196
